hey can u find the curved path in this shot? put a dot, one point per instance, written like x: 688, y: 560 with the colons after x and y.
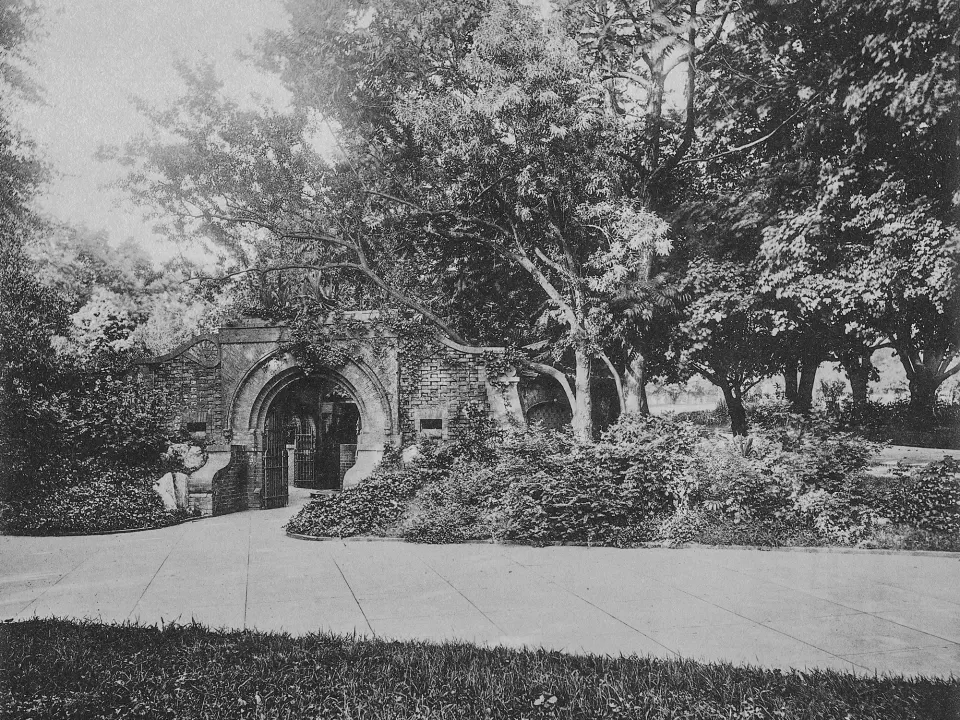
x: 865, y: 612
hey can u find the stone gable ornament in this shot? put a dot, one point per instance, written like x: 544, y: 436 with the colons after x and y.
x: 205, y: 353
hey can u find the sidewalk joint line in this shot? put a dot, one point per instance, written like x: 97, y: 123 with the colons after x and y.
x: 457, y: 590
x: 856, y: 611
x: 347, y: 583
x: 550, y: 581
x: 59, y: 579
x: 159, y: 568
x: 246, y: 588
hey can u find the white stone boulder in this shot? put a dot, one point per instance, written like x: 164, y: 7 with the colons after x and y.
x: 165, y: 488
x: 180, y: 489
x: 172, y: 489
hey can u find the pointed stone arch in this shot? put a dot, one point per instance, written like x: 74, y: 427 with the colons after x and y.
x: 270, y: 375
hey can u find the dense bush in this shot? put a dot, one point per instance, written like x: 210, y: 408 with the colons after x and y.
x: 90, y: 498
x: 928, y: 497
x: 875, y: 414
x: 460, y: 506
x: 115, y: 419
x: 607, y: 492
x: 372, y: 507
x: 649, y: 479
x: 527, y: 486
x: 103, y: 454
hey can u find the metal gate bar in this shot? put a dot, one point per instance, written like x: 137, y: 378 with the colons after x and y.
x: 275, y: 467
x: 305, y: 461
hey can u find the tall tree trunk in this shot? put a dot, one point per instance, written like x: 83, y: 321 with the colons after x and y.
x: 635, y: 386
x: 858, y: 367
x: 790, y: 383
x: 808, y: 377
x: 738, y: 414
x: 925, y: 372
x: 923, y: 393
x: 583, y: 408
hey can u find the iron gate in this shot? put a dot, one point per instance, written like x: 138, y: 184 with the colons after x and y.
x: 275, y: 467
x: 305, y: 460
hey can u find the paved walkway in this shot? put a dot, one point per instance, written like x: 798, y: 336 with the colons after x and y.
x: 893, y: 454
x: 862, y: 612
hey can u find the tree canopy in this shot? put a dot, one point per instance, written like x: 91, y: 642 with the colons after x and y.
x: 582, y: 180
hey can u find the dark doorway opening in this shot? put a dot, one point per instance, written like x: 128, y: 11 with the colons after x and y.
x: 321, y: 423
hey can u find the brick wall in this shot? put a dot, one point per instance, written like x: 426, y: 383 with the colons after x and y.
x: 230, y: 484
x: 436, y: 382
x: 193, y: 392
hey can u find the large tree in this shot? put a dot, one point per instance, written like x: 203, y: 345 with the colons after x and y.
x: 30, y: 314
x: 475, y: 144
x: 833, y: 166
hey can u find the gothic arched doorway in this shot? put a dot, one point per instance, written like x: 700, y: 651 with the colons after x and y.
x: 310, y: 437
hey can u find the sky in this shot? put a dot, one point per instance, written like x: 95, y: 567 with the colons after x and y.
x: 92, y: 57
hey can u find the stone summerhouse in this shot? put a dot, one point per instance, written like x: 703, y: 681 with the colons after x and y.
x: 268, y: 422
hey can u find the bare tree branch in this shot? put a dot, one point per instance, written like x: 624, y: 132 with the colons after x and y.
x: 558, y: 376
x: 616, y: 381
x: 749, y: 145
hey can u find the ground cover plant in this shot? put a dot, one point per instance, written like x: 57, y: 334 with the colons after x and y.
x: 101, y: 499
x: 59, y: 669
x: 652, y: 480
x: 104, y: 450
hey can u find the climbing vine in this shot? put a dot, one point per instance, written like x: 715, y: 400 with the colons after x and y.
x: 323, y: 339
x: 499, y: 364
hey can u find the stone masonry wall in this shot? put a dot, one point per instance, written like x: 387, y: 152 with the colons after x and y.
x: 254, y: 477
x: 435, y: 383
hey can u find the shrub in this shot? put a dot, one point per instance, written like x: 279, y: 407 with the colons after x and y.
x: 601, y: 493
x: 647, y: 478
x: 92, y: 497
x: 876, y: 415
x: 742, y: 479
x: 115, y: 419
x: 774, y: 414
x: 460, y: 506
x: 800, y: 482
x: 525, y: 486
x: 377, y: 504
x: 928, y: 497
x: 371, y: 507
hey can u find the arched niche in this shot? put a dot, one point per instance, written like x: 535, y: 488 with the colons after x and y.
x: 268, y: 377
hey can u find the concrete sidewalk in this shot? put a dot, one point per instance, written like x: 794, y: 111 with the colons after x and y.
x: 863, y: 612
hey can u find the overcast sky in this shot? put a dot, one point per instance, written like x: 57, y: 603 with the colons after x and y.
x: 92, y: 56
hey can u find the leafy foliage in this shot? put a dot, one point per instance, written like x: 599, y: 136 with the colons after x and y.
x: 371, y: 508
x: 92, y: 497
x: 928, y: 498
x: 649, y: 479
x: 532, y: 486
x: 116, y: 420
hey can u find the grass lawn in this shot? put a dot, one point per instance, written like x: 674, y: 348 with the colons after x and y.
x: 60, y: 669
